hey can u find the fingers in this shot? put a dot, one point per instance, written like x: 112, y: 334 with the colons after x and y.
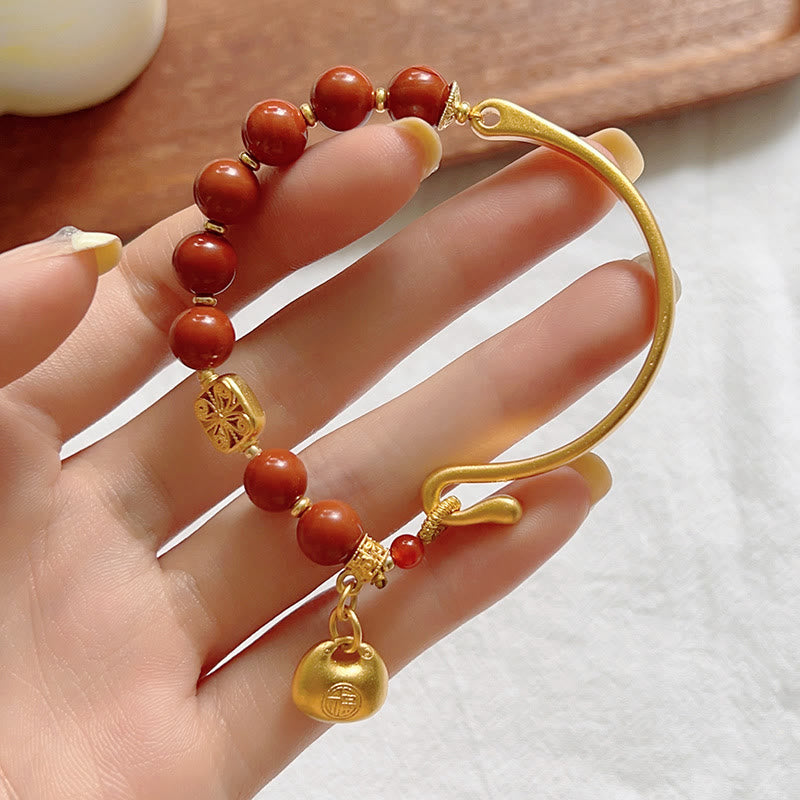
x: 45, y: 289
x: 339, y: 190
x: 248, y: 702
x: 313, y: 357
x: 468, y: 412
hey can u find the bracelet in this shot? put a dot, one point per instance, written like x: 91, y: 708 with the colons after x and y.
x: 343, y: 679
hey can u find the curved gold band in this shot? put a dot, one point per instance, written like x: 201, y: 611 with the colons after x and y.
x: 518, y: 124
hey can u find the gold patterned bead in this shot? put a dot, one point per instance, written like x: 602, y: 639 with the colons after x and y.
x: 380, y: 99
x: 300, y: 507
x: 308, y: 113
x: 229, y: 413
x: 204, y: 300
x: 368, y: 563
x: 215, y: 227
x: 433, y: 525
x: 249, y: 161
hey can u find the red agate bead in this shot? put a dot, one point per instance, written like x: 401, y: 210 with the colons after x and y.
x: 342, y: 98
x: 329, y: 532
x: 226, y: 190
x: 205, y: 263
x: 202, y: 337
x: 407, y: 551
x: 275, y: 479
x: 275, y: 132
x: 417, y: 92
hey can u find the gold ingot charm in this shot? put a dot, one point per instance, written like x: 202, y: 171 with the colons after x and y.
x: 230, y: 413
x: 331, y: 685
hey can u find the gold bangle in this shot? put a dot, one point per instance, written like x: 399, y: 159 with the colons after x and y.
x: 518, y: 124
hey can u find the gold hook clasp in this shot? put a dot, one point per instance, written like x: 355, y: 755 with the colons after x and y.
x: 515, y: 123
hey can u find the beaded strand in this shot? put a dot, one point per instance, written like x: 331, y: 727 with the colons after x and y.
x: 275, y: 133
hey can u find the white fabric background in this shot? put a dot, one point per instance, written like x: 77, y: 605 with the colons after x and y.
x: 656, y: 655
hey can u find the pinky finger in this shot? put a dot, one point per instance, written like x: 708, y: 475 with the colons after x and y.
x: 45, y: 290
x: 249, y: 700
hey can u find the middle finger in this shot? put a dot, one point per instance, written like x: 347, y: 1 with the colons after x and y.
x: 238, y: 570
x: 316, y: 355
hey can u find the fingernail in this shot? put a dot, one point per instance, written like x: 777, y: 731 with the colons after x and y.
x: 646, y: 261
x: 427, y: 139
x: 596, y: 473
x: 107, y: 247
x: 626, y: 153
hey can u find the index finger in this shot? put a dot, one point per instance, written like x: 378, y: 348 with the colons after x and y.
x: 336, y: 192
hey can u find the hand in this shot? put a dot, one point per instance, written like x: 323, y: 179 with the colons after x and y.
x: 105, y: 648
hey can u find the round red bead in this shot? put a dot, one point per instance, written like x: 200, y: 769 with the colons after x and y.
x: 226, y: 190
x: 342, y: 98
x: 205, y: 263
x: 275, y: 479
x: 275, y: 132
x: 417, y: 92
x: 202, y: 337
x: 329, y: 532
x: 407, y: 551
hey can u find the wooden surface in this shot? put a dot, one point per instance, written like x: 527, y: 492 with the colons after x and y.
x: 581, y: 63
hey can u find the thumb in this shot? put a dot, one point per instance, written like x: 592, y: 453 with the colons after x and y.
x: 45, y: 290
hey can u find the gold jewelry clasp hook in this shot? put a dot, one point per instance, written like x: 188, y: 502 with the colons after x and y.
x: 518, y: 124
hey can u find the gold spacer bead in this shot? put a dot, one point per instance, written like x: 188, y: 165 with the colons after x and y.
x: 253, y: 451
x: 380, y: 99
x: 300, y: 507
x: 462, y: 112
x: 204, y: 300
x: 215, y: 227
x: 206, y: 377
x: 249, y: 161
x: 308, y: 113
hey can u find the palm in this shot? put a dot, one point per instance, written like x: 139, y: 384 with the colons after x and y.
x: 106, y: 648
x: 96, y: 654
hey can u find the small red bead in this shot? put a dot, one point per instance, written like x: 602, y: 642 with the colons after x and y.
x: 275, y: 132
x: 275, y: 479
x: 205, y: 263
x: 202, y: 337
x: 417, y: 92
x: 329, y: 532
x: 226, y: 190
x: 342, y: 98
x: 407, y: 551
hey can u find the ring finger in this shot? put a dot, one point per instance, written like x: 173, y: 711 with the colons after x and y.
x: 377, y: 462
x: 517, y: 216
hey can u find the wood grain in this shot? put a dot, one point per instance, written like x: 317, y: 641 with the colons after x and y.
x: 582, y: 63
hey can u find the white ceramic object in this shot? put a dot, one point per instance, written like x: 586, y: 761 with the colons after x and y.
x: 62, y: 55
